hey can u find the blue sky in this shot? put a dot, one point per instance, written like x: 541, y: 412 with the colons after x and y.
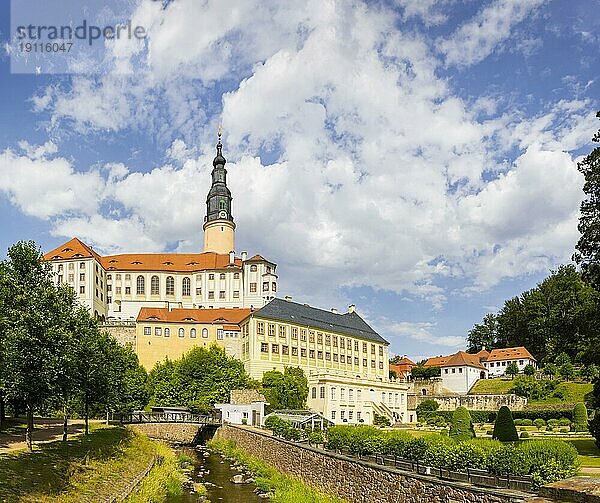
x: 414, y: 157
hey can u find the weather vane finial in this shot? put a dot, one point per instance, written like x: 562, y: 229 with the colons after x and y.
x: 220, y: 131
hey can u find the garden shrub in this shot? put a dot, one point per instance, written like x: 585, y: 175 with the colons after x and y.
x: 519, y: 422
x: 553, y: 423
x: 563, y: 421
x: 527, y: 422
x: 594, y: 427
x: 426, y: 408
x: 508, y: 459
x: 379, y: 420
x: 539, y: 423
x: 461, y: 427
x: 504, y: 426
x: 524, y: 434
x: 549, y: 460
x: 545, y: 460
x: 315, y: 437
x: 580, y: 417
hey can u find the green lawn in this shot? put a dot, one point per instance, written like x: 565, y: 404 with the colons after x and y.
x: 589, y: 454
x: 573, y: 391
x: 496, y: 386
x: 85, y: 468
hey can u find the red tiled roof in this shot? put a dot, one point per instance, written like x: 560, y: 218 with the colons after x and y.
x: 176, y: 262
x: 459, y: 359
x: 483, y: 354
x: 227, y: 316
x: 436, y: 361
x: 72, y: 249
x: 258, y: 258
x: 231, y: 328
x: 168, y: 262
x: 509, y: 354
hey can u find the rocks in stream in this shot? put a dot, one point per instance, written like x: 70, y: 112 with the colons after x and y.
x: 237, y: 479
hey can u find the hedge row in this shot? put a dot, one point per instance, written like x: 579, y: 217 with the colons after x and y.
x: 546, y: 460
x: 489, y: 416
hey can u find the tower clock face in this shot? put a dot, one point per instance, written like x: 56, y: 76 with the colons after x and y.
x: 222, y: 214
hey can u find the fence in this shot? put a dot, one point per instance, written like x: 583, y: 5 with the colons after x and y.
x: 168, y: 417
x: 471, y: 476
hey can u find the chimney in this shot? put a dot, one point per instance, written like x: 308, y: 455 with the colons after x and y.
x: 288, y: 298
x: 231, y: 258
x: 334, y: 310
x: 244, y: 256
x: 351, y: 308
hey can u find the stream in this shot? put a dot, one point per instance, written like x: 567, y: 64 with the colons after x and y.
x: 215, y: 473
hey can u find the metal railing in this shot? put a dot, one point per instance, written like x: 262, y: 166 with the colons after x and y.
x: 168, y: 417
x: 471, y: 475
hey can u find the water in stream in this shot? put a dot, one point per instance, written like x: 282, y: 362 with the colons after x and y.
x: 215, y: 472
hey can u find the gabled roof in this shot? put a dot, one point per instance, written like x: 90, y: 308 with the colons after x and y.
x: 459, y: 359
x: 72, y: 249
x: 509, y: 354
x: 175, y: 262
x: 404, y: 361
x: 482, y: 354
x: 436, y: 361
x: 259, y: 258
x: 219, y: 316
x: 166, y: 262
x: 292, y: 312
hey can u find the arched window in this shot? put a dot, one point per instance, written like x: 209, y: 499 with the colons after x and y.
x: 186, y: 286
x: 154, y: 285
x: 222, y: 204
x: 140, y: 285
x: 253, y: 268
x: 205, y: 333
x: 181, y: 331
x: 167, y: 332
x: 193, y: 333
x: 170, y: 285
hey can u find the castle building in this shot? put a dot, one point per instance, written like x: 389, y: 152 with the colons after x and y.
x: 170, y: 333
x: 116, y: 287
x: 172, y: 302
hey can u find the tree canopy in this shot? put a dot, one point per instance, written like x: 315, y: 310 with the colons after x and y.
x: 562, y: 313
x: 287, y: 390
x: 201, y: 378
x: 53, y: 354
x: 588, y: 246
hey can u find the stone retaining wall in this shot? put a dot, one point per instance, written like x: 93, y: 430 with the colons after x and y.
x: 183, y: 433
x: 475, y: 402
x: 355, y: 480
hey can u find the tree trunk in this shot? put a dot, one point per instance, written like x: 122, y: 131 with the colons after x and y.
x: 2, y: 411
x: 65, y: 421
x: 87, y: 429
x: 29, y: 434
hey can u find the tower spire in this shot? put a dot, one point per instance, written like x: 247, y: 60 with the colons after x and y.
x: 218, y: 222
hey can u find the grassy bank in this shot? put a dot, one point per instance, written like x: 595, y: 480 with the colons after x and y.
x: 286, y: 489
x: 88, y: 468
x: 589, y: 454
x: 165, y: 479
x: 572, y: 392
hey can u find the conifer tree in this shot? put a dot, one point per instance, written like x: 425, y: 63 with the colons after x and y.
x: 461, y: 427
x: 504, y: 426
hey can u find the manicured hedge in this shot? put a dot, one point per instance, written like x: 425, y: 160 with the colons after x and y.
x: 546, y: 460
x: 477, y: 416
x: 545, y: 414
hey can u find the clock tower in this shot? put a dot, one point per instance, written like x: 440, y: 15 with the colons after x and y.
x: 219, y: 229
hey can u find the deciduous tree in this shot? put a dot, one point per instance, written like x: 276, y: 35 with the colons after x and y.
x: 588, y: 246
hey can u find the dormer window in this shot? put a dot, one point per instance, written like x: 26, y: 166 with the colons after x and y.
x: 67, y: 250
x: 136, y: 262
x: 167, y: 263
x: 77, y: 255
x: 113, y: 261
